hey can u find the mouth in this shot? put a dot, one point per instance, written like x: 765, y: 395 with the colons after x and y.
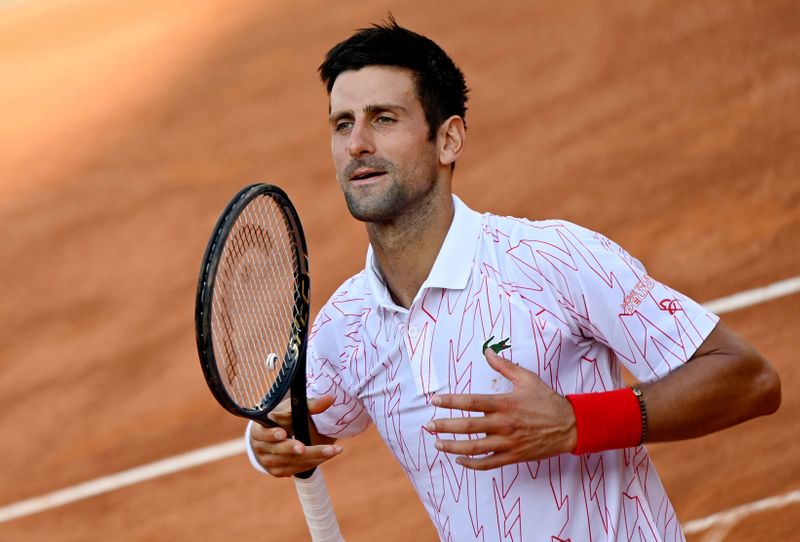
x: 365, y: 174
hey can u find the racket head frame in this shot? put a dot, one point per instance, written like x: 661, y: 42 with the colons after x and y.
x: 296, y: 376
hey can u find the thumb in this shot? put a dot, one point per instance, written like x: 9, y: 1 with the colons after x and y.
x: 320, y: 404
x: 509, y: 370
x: 282, y: 414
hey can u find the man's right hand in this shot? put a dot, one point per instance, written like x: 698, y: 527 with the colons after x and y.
x: 283, y: 456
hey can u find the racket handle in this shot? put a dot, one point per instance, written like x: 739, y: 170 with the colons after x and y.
x: 317, y: 508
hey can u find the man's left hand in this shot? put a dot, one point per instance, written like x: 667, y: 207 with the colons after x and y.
x: 529, y: 423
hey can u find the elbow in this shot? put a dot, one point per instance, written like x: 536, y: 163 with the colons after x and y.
x: 766, y: 386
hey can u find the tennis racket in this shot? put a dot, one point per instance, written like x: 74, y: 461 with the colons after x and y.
x: 251, y: 322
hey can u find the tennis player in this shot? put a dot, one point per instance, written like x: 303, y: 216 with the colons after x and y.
x: 488, y: 350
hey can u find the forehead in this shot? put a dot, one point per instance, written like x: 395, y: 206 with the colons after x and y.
x: 356, y: 89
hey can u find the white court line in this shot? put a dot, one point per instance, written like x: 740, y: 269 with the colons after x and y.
x: 217, y: 452
x: 754, y: 296
x: 122, y: 479
x: 719, y: 532
x: 733, y: 515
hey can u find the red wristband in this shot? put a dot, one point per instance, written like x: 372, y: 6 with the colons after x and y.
x: 607, y: 420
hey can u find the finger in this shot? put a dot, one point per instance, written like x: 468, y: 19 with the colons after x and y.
x: 281, y: 417
x: 478, y: 446
x: 292, y: 452
x: 510, y: 370
x: 320, y: 404
x: 282, y: 413
x: 284, y: 407
x: 472, y: 402
x: 287, y: 447
x: 489, y: 462
x: 291, y: 470
x: 463, y: 426
x: 267, y: 434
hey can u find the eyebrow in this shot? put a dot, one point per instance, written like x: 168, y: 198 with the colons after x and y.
x: 369, y: 109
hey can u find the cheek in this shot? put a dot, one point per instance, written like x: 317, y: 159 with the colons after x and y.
x: 408, y: 151
x: 339, y: 155
x: 423, y: 157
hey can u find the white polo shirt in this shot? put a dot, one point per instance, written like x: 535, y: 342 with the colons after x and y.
x: 574, y: 306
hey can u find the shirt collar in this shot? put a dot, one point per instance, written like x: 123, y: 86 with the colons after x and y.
x: 453, y: 264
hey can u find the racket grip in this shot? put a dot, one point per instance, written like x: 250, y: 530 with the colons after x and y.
x: 317, y: 508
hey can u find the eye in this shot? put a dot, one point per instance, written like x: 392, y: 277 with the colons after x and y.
x: 383, y: 119
x: 343, y: 125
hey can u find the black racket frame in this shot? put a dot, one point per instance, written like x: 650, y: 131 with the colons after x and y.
x: 205, y: 287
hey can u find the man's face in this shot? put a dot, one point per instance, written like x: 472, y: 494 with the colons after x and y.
x: 379, y: 141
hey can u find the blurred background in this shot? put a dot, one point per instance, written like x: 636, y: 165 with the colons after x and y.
x: 673, y: 127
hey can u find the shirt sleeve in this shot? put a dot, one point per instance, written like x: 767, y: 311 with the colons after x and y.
x: 652, y: 328
x: 326, y: 376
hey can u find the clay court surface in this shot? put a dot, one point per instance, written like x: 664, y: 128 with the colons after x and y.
x: 671, y: 126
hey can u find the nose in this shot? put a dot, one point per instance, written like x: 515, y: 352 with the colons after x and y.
x: 360, y: 141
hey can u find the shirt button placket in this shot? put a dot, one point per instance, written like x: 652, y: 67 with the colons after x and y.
x: 418, y: 350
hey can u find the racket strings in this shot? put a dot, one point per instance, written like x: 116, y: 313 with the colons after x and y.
x: 254, y: 307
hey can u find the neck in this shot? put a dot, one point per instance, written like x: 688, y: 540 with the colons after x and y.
x: 406, y: 249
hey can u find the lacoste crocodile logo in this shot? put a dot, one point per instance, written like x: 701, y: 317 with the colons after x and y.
x: 496, y: 347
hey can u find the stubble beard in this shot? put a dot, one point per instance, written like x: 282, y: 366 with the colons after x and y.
x: 394, y: 197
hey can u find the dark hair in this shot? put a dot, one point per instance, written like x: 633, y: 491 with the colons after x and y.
x: 439, y: 83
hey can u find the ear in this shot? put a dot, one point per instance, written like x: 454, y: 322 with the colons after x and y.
x: 451, y: 138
